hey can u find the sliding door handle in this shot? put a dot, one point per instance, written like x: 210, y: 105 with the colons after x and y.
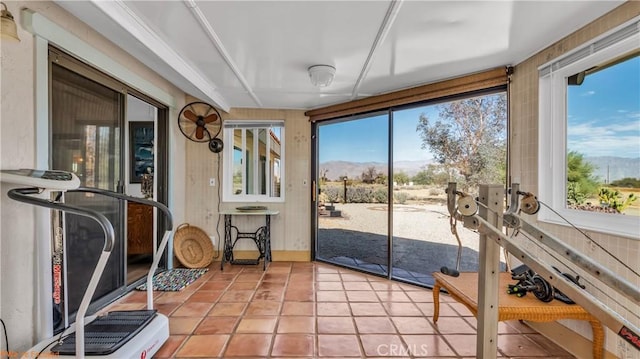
x: 313, y: 189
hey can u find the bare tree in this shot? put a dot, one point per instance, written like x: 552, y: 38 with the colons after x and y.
x: 369, y: 175
x: 323, y: 174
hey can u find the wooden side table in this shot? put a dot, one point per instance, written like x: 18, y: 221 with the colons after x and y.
x: 464, y: 289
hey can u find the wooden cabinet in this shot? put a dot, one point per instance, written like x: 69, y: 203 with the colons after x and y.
x: 139, y: 229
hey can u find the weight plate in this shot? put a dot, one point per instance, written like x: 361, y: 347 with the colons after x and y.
x: 543, y: 291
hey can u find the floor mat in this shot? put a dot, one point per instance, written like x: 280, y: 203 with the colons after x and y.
x: 174, y: 279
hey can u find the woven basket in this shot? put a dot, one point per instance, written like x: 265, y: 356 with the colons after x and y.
x: 192, y: 246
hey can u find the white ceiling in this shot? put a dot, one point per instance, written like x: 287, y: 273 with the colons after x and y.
x: 256, y: 53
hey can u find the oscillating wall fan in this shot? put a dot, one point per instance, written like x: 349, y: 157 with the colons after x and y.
x: 201, y: 122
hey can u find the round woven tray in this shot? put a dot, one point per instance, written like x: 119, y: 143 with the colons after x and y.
x: 192, y: 246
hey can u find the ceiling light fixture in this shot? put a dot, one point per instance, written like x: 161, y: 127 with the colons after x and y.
x: 321, y: 75
x: 9, y: 30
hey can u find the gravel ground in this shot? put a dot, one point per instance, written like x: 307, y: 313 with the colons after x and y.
x: 423, y: 241
x: 420, y: 222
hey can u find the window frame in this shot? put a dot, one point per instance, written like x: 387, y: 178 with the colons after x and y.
x: 552, y: 133
x: 230, y: 149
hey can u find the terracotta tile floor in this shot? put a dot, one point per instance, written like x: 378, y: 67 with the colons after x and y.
x: 302, y: 310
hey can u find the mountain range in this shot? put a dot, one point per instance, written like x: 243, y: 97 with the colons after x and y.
x: 607, y: 168
x: 338, y: 169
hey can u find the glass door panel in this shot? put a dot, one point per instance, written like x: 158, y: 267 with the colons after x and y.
x: 352, y: 214
x: 85, y: 127
x: 143, y: 134
x: 462, y: 141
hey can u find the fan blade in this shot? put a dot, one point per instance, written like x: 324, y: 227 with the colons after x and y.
x: 200, y: 132
x: 212, y: 117
x: 190, y: 136
x: 190, y: 115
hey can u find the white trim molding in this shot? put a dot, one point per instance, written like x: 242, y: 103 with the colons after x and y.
x: 552, y: 135
x: 254, y: 171
x: 44, y: 28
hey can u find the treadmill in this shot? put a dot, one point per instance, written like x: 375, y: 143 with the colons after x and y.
x: 117, y: 334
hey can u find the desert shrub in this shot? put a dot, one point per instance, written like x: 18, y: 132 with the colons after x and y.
x: 380, y: 195
x: 322, y: 198
x: 400, y: 197
x: 575, y: 194
x: 614, y: 199
x: 627, y: 182
x: 332, y: 194
x: 435, y: 191
x: 360, y: 194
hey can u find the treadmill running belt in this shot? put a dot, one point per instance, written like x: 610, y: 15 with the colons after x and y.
x: 107, y: 333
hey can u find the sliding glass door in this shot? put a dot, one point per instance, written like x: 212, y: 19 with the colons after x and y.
x: 397, y: 164
x: 86, y: 132
x: 352, y: 210
x: 89, y: 111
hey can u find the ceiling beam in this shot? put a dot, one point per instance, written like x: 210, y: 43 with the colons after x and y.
x: 383, y: 31
x: 119, y: 12
x: 215, y: 40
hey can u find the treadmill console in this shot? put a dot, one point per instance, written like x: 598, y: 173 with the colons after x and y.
x: 45, y: 179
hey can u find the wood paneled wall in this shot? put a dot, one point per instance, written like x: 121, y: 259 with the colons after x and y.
x: 290, y: 230
x: 524, y: 155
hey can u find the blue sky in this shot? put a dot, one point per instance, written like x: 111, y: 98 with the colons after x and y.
x: 604, y: 112
x: 353, y: 140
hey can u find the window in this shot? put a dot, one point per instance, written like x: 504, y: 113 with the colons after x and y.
x: 589, y: 134
x: 255, y: 162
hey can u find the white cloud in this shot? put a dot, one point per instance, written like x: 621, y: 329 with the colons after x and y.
x: 608, y: 139
x: 588, y: 93
x: 618, y: 146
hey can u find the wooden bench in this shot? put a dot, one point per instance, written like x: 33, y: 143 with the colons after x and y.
x: 464, y: 289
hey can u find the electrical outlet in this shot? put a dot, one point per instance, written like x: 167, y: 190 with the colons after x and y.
x: 212, y: 182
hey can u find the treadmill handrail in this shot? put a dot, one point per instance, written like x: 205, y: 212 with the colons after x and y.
x: 24, y: 195
x: 157, y: 253
x: 158, y: 205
